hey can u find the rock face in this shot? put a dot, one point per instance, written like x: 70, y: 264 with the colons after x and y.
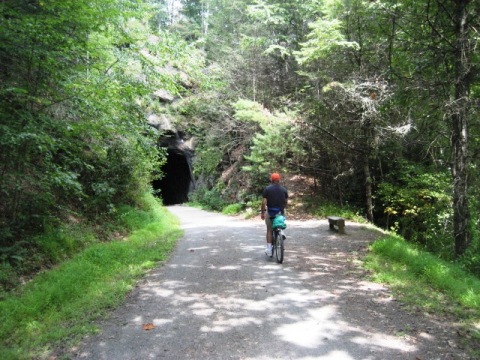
x: 177, y: 181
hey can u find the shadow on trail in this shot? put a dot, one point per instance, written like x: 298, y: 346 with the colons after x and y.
x: 220, y: 297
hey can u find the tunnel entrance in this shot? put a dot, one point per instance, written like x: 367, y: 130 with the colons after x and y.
x: 177, y: 179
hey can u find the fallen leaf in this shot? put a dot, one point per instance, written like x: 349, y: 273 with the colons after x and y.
x: 148, y: 326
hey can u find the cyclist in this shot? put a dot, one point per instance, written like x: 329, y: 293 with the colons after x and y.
x: 274, y: 201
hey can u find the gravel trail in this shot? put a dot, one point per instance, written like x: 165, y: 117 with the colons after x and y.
x: 220, y: 297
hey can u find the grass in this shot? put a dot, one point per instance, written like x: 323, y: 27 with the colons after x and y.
x: 423, y: 281
x: 58, y: 306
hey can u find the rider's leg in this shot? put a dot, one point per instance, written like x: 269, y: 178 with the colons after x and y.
x: 268, y: 222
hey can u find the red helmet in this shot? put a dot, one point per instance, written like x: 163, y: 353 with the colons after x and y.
x: 275, y: 177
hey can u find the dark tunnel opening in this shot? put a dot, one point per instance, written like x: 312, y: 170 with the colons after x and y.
x: 176, y: 182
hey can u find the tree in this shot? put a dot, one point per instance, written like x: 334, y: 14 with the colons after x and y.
x: 462, y: 59
x: 76, y: 84
x: 440, y: 47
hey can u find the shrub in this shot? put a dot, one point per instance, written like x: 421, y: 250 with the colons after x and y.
x: 417, y: 205
x: 210, y: 199
x: 232, y: 209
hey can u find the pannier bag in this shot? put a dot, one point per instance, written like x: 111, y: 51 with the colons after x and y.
x: 279, y: 222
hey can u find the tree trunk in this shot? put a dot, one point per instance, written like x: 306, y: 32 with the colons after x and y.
x: 368, y: 151
x: 459, y: 121
x: 368, y: 190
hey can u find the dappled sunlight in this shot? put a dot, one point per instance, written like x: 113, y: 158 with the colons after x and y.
x: 230, y: 267
x: 312, y: 332
x: 161, y: 322
x: 333, y: 355
x: 381, y: 342
x: 177, y: 266
x: 223, y: 297
x: 203, y: 312
x: 227, y: 324
x: 230, y: 224
x: 163, y: 292
x: 310, y: 317
x: 137, y: 319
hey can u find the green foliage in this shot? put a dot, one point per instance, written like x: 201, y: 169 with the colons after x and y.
x: 62, y: 242
x: 253, y: 207
x: 58, y: 305
x: 471, y: 259
x: 417, y: 204
x: 324, y: 39
x: 273, y: 149
x: 251, y: 111
x: 207, y: 160
x: 76, y: 85
x: 264, y: 13
x: 209, y: 199
x: 232, y: 209
x: 321, y: 208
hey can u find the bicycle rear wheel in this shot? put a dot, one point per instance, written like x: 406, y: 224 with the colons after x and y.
x: 279, y: 248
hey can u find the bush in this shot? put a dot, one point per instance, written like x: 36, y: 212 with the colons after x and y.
x: 252, y: 208
x: 417, y: 205
x: 210, y: 199
x: 232, y: 209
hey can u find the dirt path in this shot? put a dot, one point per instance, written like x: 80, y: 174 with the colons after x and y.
x: 220, y: 297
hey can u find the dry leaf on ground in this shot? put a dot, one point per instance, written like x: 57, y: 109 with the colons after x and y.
x: 148, y: 326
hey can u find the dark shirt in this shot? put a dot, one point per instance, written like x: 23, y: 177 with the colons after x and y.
x: 276, y: 196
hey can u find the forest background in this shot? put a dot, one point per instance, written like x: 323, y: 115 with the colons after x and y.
x: 375, y: 101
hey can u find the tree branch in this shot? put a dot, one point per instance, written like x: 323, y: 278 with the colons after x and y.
x: 348, y: 146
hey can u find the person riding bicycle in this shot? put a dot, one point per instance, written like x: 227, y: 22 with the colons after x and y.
x: 274, y: 201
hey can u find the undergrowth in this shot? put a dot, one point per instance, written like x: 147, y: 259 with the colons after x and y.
x: 323, y: 209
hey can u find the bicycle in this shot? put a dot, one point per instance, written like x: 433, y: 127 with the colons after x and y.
x: 278, y: 239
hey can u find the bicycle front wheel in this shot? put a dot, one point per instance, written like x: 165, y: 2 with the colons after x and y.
x: 279, y: 248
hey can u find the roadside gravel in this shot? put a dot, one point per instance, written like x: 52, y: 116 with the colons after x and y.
x: 220, y: 297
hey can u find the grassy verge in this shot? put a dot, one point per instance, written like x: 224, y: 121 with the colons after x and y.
x: 423, y: 281
x: 59, y: 305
